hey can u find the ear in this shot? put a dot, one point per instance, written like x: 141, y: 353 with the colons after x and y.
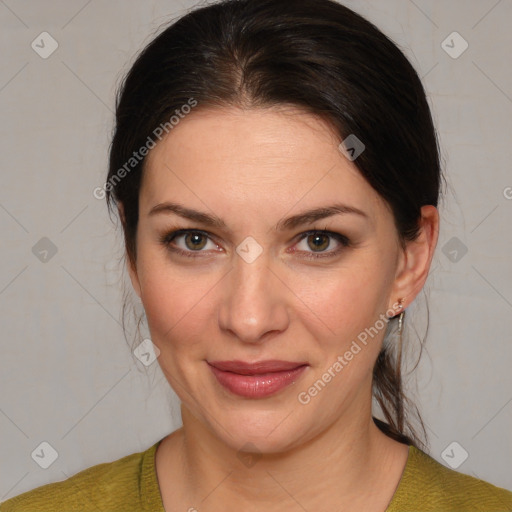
x: 132, y: 270
x: 415, y: 259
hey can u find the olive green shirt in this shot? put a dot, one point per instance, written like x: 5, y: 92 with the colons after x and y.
x: 130, y: 484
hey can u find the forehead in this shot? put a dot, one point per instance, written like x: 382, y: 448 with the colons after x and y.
x: 250, y: 159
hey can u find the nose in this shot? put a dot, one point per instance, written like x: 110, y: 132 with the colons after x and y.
x: 255, y: 301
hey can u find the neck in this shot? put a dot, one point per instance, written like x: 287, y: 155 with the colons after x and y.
x: 347, y: 464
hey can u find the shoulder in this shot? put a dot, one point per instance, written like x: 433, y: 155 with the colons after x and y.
x: 121, y: 485
x: 428, y: 485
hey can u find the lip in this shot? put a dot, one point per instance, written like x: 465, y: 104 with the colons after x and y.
x: 256, y: 380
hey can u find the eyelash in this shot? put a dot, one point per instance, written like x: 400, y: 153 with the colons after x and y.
x: 167, y: 238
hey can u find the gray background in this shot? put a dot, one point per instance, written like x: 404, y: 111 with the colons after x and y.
x: 67, y: 374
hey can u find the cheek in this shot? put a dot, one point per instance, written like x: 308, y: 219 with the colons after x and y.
x: 176, y: 302
x: 343, y: 301
x: 170, y: 309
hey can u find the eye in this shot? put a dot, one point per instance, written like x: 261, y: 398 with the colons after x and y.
x: 192, y: 242
x: 319, y: 241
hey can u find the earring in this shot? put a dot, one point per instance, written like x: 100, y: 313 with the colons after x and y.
x: 401, y: 316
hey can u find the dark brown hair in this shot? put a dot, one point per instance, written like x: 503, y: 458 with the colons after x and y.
x: 313, y: 54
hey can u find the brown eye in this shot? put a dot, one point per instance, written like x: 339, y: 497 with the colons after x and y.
x: 318, y: 241
x: 187, y: 242
x: 195, y: 241
x: 315, y: 244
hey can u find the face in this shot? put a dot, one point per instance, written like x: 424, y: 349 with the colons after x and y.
x: 251, y: 279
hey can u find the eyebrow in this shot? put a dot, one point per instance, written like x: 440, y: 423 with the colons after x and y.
x: 289, y: 223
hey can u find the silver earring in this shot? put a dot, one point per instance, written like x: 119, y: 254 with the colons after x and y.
x: 400, y: 322
x: 400, y: 317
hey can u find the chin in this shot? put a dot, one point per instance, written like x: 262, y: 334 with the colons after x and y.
x: 260, y: 432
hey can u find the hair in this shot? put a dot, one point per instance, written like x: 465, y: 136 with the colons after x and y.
x: 315, y: 55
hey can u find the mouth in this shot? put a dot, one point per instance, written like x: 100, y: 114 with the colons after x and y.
x: 256, y: 380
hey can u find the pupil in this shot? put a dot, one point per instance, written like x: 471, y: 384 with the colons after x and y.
x: 194, y: 244
x: 316, y: 239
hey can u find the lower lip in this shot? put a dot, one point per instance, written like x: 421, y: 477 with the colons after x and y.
x: 257, y: 386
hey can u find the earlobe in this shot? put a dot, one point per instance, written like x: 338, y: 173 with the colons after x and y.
x: 417, y: 257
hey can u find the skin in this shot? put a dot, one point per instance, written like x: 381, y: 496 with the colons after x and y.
x: 253, y: 168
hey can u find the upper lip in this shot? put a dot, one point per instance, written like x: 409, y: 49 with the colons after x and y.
x: 258, y: 367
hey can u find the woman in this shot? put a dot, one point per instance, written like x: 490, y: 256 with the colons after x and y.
x: 276, y: 171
